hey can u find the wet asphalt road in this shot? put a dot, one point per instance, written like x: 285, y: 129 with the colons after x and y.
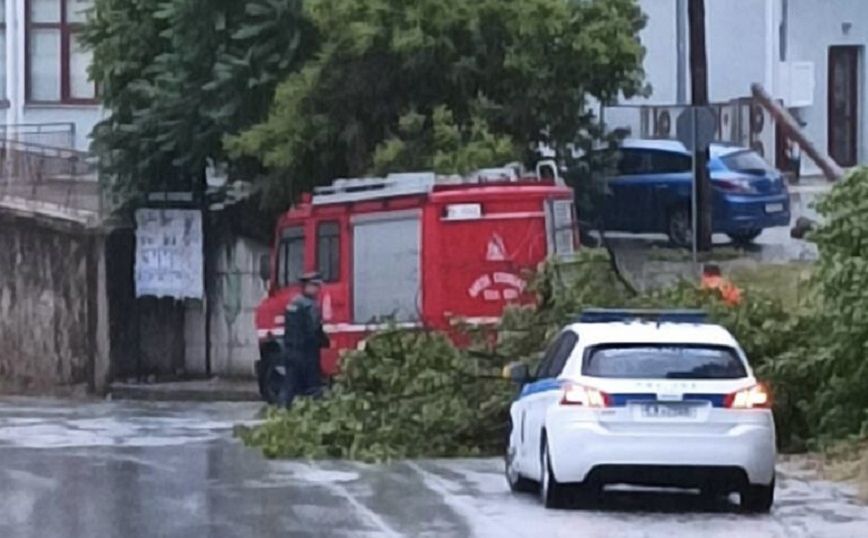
x: 116, y: 469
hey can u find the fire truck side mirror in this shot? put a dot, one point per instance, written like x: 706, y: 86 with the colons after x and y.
x: 265, y: 267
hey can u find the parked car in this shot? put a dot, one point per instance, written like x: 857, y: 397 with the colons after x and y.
x: 652, y: 192
x: 647, y: 398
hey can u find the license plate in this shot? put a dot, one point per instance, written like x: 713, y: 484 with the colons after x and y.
x: 774, y: 208
x: 668, y: 411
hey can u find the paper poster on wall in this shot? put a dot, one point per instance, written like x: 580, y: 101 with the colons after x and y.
x: 169, y: 253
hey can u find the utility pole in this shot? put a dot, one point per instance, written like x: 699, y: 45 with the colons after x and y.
x: 681, y: 51
x: 699, y: 95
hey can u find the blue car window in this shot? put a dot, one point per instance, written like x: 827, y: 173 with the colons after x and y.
x: 669, y: 162
x: 747, y: 161
x: 634, y: 162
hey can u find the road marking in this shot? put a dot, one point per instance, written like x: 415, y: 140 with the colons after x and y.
x: 459, y: 502
x: 373, y: 518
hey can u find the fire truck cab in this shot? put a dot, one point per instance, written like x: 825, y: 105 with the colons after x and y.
x: 414, y: 249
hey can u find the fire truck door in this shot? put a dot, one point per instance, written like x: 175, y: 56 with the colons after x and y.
x: 386, y: 267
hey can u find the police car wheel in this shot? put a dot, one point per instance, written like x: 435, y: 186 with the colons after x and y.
x: 758, y: 499
x: 552, y: 493
x: 517, y: 483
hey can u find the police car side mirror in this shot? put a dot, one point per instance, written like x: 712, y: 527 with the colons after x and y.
x: 518, y: 373
x: 265, y: 267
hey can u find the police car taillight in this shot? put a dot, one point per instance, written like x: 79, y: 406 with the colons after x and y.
x: 756, y: 397
x: 585, y: 396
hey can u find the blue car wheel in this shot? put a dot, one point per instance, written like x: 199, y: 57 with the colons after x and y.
x: 680, y: 227
x: 745, y: 237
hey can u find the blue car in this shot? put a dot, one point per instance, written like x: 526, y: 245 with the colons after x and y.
x: 652, y: 192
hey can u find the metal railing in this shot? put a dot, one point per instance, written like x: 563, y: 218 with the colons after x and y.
x: 57, y: 135
x: 46, y: 178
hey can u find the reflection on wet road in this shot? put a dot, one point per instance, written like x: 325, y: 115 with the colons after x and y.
x: 173, y: 470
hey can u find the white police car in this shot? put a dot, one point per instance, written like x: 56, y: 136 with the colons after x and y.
x: 651, y: 398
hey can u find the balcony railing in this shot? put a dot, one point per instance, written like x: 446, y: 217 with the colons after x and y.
x: 51, y: 179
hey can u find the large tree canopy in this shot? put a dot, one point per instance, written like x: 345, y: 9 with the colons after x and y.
x: 309, y: 90
x: 176, y: 76
x: 393, y: 76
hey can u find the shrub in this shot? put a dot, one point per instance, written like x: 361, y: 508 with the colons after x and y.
x: 841, y: 281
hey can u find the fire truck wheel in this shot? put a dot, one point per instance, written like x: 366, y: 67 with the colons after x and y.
x: 588, y: 240
x: 270, y: 378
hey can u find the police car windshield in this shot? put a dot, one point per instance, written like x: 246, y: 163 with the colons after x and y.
x: 667, y: 361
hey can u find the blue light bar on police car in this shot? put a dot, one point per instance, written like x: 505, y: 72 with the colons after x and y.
x: 607, y: 315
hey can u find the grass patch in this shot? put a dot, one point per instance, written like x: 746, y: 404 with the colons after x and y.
x: 843, y: 461
x: 718, y: 254
x: 789, y: 282
x: 847, y: 461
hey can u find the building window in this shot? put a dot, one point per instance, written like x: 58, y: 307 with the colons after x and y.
x: 328, y: 251
x: 2, y: 51
x: 291, y: 260
x: 57, y: 63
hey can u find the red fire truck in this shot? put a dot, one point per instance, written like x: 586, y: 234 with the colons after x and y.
x: 413, y: 249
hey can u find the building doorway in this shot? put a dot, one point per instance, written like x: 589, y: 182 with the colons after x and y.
x: 844, y: 104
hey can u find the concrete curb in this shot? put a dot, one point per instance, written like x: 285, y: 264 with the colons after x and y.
x: 810, y: 189
x: 188, y: 391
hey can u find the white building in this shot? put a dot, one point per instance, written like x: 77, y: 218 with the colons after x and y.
x: 45, y: 94
x: 810, y: 54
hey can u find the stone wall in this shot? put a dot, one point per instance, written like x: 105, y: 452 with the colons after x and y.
x: 235, y: 290
x: 50, y: 295
x: 69, y: 315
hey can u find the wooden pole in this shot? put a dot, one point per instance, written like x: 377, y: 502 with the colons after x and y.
x: 791, y: 127
x: 699, y: 98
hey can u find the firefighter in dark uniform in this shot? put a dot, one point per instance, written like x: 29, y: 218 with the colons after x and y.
x: 304, y: 337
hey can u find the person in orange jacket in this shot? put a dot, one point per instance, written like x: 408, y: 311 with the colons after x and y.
x: 712, y: 279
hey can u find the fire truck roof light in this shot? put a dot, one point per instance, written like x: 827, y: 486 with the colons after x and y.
x: 353, y: 190
x: 406, y: 184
